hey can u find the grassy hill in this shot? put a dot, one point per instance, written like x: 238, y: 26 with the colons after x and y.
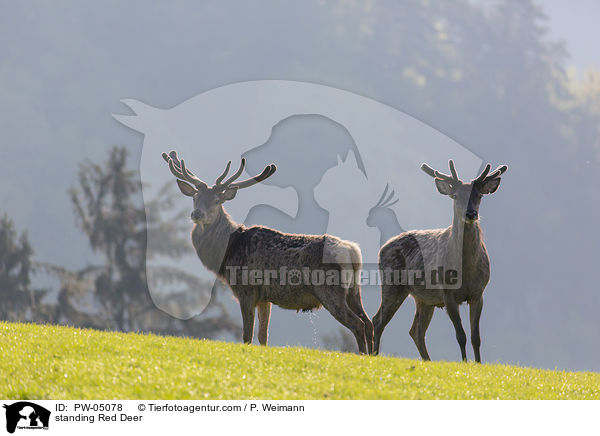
x: 53, y: 362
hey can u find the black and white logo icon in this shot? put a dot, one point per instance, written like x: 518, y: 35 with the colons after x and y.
x: 26, y: 415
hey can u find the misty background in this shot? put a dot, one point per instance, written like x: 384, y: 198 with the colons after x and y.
x: 514, y: 82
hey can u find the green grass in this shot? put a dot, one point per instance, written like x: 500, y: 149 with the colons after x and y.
x: 50, y: 362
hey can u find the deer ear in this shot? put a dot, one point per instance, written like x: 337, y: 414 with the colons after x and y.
x: 444, y: 187
x: 490, y: 186
x: 186, y: 188
x: 229, y: 194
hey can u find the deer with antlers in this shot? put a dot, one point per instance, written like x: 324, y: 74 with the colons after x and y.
x: 262, y: 266
x: 459, y: 249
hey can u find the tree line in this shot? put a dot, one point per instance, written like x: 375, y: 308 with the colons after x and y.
x: 111, y: 293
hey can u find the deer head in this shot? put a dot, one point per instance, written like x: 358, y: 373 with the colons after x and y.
x: 466, y: 195
x: 208, y: 200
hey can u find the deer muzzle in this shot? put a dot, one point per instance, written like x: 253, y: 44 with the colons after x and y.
x: 197, y: 215
x: 471, y: 215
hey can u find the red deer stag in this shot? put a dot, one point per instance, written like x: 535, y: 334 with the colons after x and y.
x: 263, y: 266
x: 459, y: 247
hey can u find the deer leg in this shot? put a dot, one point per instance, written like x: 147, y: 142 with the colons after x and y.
x: 264, y: 315
x: 423, y: 315
x: 334, y: 300
x: 248, y: 308
x: 454, y: 314
x: 475, y: 308
x: 391, y: 300
x: 355, y: 303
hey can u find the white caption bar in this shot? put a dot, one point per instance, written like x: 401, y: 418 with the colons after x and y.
x: 267, y: 417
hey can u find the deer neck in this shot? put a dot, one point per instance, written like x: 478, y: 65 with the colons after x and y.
x: 211, y: 241
x: 466, y: 240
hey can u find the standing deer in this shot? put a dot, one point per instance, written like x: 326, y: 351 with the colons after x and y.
x: 231, y: 250
x: 384, y: 218
x: 459, y: 246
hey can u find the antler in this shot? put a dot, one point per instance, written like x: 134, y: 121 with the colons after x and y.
x: 222, y: 186
x: 484, y: 177
x: 267, y: 172
x: 452, y: 179
x: 385, y: 203
x: 222, y: 176
x: 180, y: 171
x: 484, y: 173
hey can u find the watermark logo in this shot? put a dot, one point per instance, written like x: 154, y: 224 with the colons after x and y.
x: 25, y: 415
x: 347, y: 165
x: 436, y: 278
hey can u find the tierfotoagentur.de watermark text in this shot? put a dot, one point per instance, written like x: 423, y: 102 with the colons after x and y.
x: 429, y: 278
